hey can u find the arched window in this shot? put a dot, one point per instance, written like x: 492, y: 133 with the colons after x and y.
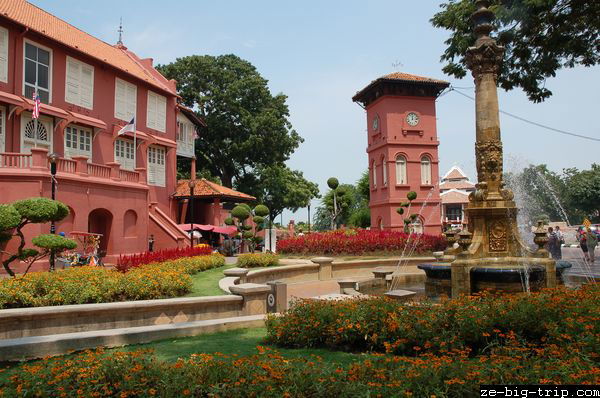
x: 425, y: 170
x: 416, y: 227
x: 129, y: 223
x: 400, y: 169
x: 381, y: 224
x: 374, y: 175
x: 384, y: 171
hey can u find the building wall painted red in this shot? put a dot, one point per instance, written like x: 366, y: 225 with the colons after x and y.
x: 394, y: 137
x: 82, y: 192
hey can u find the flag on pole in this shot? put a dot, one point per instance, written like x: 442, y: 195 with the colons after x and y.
x: 36, y: 105
x: 129, y: 127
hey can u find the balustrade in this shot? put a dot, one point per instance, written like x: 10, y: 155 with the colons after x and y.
x: 15, y: 160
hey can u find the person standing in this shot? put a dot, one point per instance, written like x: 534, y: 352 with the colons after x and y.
x: 592, y: 242
x: 553, y: 244
x: 559, y: 234
x: 581, y: 237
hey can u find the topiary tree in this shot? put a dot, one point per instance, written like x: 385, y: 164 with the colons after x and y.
x: 240, y: 214
x: 412, y: 195
x: 15, y: 216
x: 334, y: 184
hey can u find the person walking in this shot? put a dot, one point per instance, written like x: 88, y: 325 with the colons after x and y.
x: 592, y: 242
x: 581, y: 237
x: 553, y: 244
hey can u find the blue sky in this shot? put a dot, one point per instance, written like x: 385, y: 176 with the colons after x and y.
x: 319, y: 53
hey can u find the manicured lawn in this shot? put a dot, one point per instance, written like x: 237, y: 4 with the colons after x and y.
x: 240, y: 342
x: 207, y: 283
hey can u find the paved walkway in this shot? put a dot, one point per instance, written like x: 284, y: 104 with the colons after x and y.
x: 581, y: 267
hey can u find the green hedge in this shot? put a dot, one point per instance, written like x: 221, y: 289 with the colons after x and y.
x: 255, y: 260
x: 80, y: 285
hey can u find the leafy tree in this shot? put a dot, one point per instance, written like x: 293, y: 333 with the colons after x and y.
x: 248, y: 127
x: 584, y: 190
x: 361, y: 214
x: 279, y: 188
x: 540, y: 37
x: 345, y: 201
x: 15, y: 216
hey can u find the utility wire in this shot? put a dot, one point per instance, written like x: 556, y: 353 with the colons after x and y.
x: 455, y: 89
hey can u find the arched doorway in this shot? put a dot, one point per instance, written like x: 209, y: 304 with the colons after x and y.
x: 100, y: 222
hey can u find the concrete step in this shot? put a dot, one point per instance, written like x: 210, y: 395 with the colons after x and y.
x: 40, y: 346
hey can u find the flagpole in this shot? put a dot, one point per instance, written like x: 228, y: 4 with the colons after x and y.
x: 35, y: 119
x: 134, y: 145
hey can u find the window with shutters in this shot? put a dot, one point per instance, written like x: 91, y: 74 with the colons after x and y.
x: 156, y: 166
x: 400, y: 169
x: 125, y: 100
x: 3, y: 54
x: 79, y: 86
x: 37, y: 71
x: 35, y: 134
x: 185, y: 137
x: 384, y: 171
x: 2, y: 129
x: 124, y: 154
x: 374, y: 177
x: 156, y: 116
x: 78, y: 142
x: 425, y: 170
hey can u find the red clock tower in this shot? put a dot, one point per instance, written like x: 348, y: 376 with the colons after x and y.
x: 403, y: 149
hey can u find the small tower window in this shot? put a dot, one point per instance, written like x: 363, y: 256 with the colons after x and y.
x: 384, y: 171
x: 400, y: 170
x: 374, y: 175
x: 425, y: 170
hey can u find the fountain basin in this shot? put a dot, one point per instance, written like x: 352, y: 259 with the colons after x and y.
x: 489, y: 277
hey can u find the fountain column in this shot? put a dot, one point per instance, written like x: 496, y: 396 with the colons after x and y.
x: 493, y: 239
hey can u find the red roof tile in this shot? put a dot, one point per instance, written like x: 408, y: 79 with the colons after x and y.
x: 455, y: 173
x: 454, y: 197
x: 413, y: 78
x: 209, y: 189
x: 56, y: 29
x: 456, y: 185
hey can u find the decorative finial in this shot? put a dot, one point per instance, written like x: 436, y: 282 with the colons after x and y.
x: 482, y: 19
x: 120, y: 42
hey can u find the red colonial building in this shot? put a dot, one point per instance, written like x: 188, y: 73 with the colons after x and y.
x: 89, y: 89
x: 403, y: 149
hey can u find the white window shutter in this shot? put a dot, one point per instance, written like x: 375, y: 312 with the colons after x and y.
x: 3, y: 55
x: 131, y: 101
x: 161, y: 114
x: 120, y: 99
x: 72, y: 81
x: 86, y: 87
x: 151, y: 113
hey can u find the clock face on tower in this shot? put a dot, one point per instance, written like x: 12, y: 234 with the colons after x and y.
x: 376, y: 123
x: 412, y: 119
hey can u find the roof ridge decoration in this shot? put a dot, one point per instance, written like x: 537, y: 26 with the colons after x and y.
x: 455, y: 168
x: 58, y: 30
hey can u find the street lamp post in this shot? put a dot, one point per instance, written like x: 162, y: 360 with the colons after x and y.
x: 52, y: 157
x: 192, y: 183
x: 309, y: 217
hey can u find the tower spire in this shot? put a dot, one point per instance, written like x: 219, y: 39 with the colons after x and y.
x: 120, y: 42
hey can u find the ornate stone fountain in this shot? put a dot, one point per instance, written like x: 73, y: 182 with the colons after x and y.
x: 491, y: 253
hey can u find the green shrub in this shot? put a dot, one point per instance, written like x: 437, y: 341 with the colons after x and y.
x: 80, y: 285
x: 333, y: 183
x: 261, y: 210
x: 240, y: 212
x: 254, y: 260
x: 9, y: 217
x: 553, y: 316
x: 412, y: 195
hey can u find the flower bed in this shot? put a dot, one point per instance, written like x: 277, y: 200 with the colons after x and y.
x: 360, y: 241
x: 86, y: 284
x: 135, y: 260
x: 557, y: 317
x: 254, y: 260
x: 268, y: 374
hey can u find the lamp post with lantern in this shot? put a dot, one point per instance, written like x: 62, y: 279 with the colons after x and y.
x: 191, y: 184
x: 53, y: 157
